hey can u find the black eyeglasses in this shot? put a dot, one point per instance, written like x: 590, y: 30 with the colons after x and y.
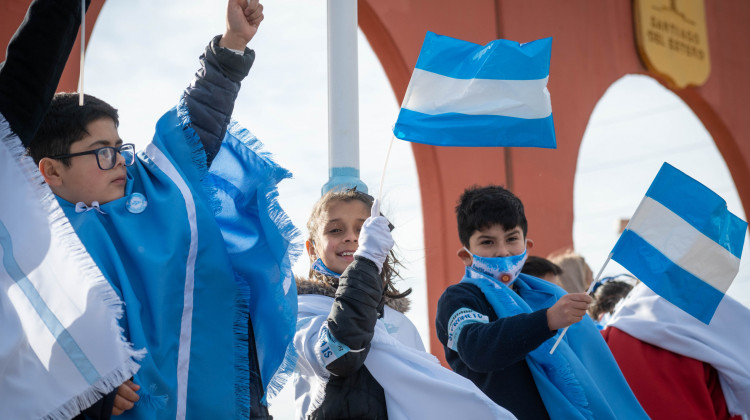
x: 106, y: 157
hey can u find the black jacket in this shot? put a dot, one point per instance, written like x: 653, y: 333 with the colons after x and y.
x: 351, y: 391
x: 34, y: 63
x: 493, y: 354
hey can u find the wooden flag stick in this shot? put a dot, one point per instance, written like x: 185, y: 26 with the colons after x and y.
x: 83, y: 52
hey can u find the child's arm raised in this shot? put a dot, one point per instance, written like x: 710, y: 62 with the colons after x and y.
x: 243, y: 20
x: 34, y: 63
x: 225, y: 63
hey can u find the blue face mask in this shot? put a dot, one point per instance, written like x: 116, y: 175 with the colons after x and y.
x: 322, y: 269
x: 504, y: 269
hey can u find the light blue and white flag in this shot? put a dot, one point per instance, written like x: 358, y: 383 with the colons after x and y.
x: 465, y: 94
x: 683, y: 243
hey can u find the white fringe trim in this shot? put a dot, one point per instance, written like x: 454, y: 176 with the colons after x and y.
x: 102, y: 387
x: 61, y: 228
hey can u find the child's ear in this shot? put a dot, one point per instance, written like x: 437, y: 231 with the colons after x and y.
x: 51, y: 171
x: 465, y: 256
x: 529, y: 243
x: 310, y: 249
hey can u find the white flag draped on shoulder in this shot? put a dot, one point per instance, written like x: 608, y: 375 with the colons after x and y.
x: 723, y: 344
x: 465, y: 94
x: 683, y: 243
x: 61, y: 348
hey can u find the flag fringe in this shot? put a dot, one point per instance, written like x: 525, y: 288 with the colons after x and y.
x: 288, y: 232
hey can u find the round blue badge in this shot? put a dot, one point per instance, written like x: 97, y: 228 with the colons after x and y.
x: 136, y: 203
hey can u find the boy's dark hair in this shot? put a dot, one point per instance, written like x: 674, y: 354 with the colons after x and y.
x: 65, y: 123
x: 538, y: 267
x: 482, y: 207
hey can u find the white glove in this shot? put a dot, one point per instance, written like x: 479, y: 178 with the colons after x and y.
x: 375, y: 238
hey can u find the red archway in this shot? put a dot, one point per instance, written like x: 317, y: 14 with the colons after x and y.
x: 593, y: 47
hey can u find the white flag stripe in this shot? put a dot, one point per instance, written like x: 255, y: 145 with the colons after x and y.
x: 684, y: 245
x: 186, y: 324
x: 432, y: 93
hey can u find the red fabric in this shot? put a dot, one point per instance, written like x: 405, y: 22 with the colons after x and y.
x: 668, y: 385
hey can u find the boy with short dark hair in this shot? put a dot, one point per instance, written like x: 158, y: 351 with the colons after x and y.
x: 215, y: 316
x: 498, y: 325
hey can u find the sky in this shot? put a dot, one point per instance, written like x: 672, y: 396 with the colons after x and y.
x: 143, y: 53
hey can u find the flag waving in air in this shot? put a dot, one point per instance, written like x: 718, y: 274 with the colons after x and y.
x: 683, y: 243
x: 465, y: 94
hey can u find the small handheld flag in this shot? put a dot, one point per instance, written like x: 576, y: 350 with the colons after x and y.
x: 465, y: 94
x: 683, y: 243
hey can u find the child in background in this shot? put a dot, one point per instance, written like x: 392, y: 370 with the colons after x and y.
x: 607, y: 293
x: 498, y: 325
x: 576, y: 274
x: 542, y: 268
x: 359, y: 356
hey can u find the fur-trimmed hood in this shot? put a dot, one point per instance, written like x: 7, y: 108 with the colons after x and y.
x: 311, y: 287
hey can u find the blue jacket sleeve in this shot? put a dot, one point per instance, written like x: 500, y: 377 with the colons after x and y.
x: 495, y: 344
x: 34, y: 63
x: 211, y: 95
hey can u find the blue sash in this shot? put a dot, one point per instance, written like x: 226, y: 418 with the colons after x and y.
x: 187, y: 298
x: 581, y: 380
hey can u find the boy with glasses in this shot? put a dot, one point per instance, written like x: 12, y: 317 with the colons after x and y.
x: 156, y: 233
x: 80, y: 153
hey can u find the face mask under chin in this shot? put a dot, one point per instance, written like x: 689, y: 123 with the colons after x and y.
x: 321, y: 268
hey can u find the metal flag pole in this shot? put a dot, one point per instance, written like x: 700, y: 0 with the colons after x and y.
x: 343, y: 98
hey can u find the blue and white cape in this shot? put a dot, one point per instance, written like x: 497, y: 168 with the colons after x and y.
x: 194, y: 253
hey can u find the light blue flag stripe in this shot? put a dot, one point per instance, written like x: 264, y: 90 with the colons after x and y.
x: 669, y: 280
x: 499, y: 59
x: 454, y: 129
x: 700, y: 207
x: 63, y: 337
